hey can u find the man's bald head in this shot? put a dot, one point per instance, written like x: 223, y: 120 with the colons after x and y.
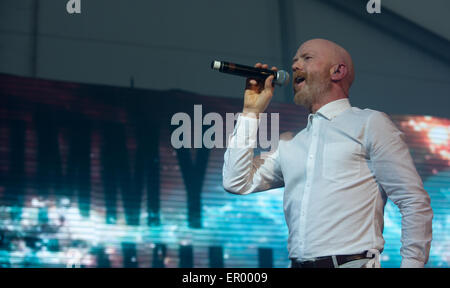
x: 322, y: 72
x: 336, y: 54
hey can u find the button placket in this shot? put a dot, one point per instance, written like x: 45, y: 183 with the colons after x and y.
x: 309, y: 176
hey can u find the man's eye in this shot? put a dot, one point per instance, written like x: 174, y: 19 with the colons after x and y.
x: 308, y: 57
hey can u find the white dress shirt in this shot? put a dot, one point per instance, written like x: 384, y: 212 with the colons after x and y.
x: 337, y: 174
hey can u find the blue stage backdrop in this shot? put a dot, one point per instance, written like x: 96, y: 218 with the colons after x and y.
x: 88, y: 178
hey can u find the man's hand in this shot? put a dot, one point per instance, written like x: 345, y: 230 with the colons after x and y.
x: 258, y: 93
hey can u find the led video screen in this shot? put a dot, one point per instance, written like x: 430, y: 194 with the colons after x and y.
x: 89, y: 178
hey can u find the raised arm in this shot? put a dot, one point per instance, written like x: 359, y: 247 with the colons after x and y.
x: 242, y: 172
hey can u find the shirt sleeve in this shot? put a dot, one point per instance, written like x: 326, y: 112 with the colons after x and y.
x: 242, y: 172
x: 395, y: 171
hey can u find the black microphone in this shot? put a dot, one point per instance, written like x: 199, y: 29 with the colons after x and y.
x: 281, y: 77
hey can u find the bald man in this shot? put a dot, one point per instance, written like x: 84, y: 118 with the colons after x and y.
x: 337, y: 173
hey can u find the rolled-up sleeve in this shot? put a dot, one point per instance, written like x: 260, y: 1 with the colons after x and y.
x: 394, y: 170
x: 242, y: 172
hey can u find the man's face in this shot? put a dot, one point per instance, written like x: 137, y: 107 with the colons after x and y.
x: 311, y: 74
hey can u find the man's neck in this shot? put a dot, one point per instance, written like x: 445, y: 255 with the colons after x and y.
x: 324, y: 100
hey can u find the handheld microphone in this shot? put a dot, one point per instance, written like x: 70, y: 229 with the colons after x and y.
x: 281, y: 77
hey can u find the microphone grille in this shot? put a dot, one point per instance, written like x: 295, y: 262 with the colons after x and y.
x: 282, y: 78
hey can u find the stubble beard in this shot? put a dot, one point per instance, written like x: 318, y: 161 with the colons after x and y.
x: 317, y: 85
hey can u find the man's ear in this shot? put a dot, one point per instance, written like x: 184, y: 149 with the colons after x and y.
x: 338, y: 72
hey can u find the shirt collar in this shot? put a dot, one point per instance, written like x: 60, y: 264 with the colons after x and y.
x: 333, y: 109
x: 330, y: 110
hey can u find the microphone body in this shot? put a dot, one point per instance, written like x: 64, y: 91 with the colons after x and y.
x: 281, y: 77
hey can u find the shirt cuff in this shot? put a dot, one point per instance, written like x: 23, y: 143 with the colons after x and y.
x: 244, y: 134
x: 411, y: 263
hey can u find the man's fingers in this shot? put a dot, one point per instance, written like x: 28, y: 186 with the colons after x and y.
x: 258, y: 85
x: 268, y: 84
x: 254, y: 85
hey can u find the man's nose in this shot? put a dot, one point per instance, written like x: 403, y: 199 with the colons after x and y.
x: 296, y: 66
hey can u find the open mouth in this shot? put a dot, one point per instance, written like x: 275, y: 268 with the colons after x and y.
x: 299, y: 79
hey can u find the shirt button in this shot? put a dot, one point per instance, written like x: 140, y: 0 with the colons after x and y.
x: 311, y: 156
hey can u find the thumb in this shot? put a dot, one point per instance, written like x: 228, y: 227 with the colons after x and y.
x: 268, y: 84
